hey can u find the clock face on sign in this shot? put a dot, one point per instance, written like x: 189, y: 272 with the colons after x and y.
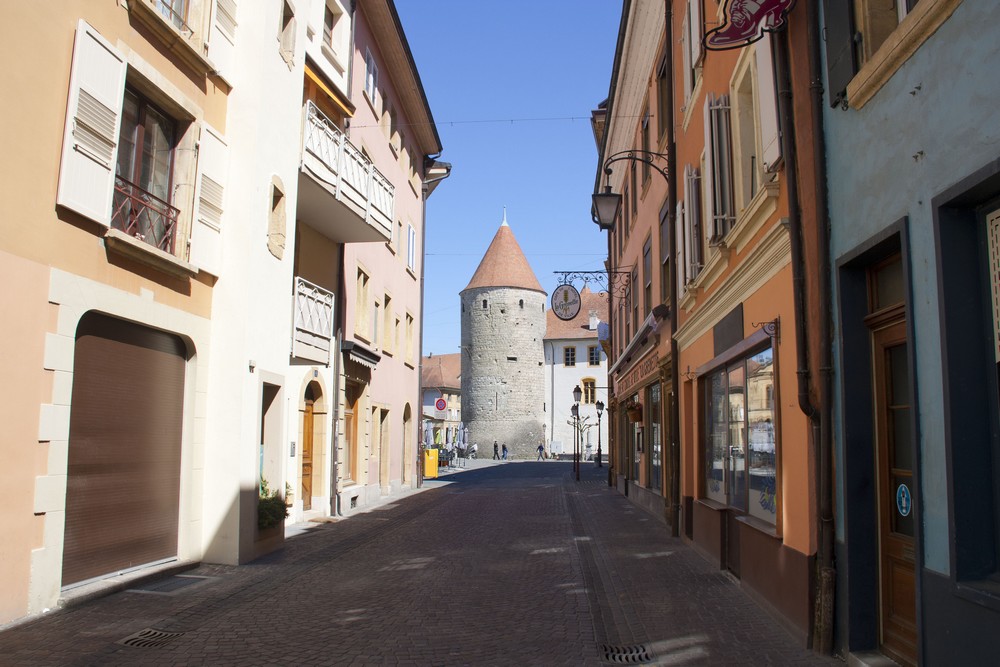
x: 565, y: 302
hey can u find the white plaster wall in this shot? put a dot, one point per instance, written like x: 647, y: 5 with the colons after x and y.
x: 559, y: 383
x: 252, y: 305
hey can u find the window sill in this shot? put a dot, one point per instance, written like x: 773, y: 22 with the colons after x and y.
x: 409, y: 364
x: 695, y: 92
x: 363, y: 338
x: 372, y: 103
x: 190, y: 49
x: 718, y: 260
x: 752, y: 218
x: 332, y: 56
x: 759, y: 525
x: 689, y: 297
x: 712, y: 504
x: 121, y: 243
x: 411, y: 272
x: 909, y: 35
x: 983, y: 592
x: 391, y: 247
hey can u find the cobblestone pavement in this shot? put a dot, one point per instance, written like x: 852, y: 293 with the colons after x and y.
x: 509, y: 564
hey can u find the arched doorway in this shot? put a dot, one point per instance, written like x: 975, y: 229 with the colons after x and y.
x: 312, y: 396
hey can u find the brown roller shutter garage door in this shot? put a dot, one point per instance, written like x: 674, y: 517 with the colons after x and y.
x: 123, y: 485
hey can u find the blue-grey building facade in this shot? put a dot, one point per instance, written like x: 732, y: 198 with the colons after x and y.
x: 912, y: 129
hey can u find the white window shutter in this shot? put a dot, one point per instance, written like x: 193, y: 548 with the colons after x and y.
x: 767, y: 99
x: 708, y: 179
x: 697, y: 32
x: 680, y: 225
x: 686, y: 58
x: 93, y: 121
x: 222, y: 44
x: 206, y: 229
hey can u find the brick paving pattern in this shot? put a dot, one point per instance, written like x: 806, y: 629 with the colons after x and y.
x: 511, y: 564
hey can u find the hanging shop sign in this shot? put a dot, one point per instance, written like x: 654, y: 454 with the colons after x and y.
x: 745, y: 21
x: 638, y: 375
x: 566, y: 302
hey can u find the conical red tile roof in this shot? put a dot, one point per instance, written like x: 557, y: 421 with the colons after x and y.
x: 504, y: 264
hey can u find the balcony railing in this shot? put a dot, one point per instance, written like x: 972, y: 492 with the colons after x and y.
x: 175, y: 11
x: 313, y: 321
x: 355, y: 178
x: 143, y: 215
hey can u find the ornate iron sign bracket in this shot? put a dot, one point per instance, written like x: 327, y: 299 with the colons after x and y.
x: 614, y: 282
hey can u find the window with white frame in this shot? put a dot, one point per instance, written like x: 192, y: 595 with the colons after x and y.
x: 387, y: 330
x: 644, y: 130
x: 371, y: 77
x: 755, y: 145
x: 409, y: 338
x: 125, y: 145
x: 362, y: 321
x: 411, y: 248
x: 718, y: 168
x: 692, y: 50
x: 647, y: 276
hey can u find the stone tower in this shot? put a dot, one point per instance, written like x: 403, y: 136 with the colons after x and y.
x: 503, y: 372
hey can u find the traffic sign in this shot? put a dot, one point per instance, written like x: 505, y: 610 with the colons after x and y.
x: 441, y: 404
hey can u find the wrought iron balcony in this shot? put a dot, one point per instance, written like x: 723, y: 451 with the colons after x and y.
x: 341, y: 193
x: 313, y: 326
x: 143, y: 215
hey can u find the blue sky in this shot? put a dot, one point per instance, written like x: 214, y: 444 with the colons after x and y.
x: 484, y: 65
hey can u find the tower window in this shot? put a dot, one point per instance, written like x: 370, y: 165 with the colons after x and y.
x: 511, y: 358
x: 521, y: 303
x: 484, y: 304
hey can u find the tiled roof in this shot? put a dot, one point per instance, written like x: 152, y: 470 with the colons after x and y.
x: 579, y: 326
x: 504, y: 264
x: 442, y: 371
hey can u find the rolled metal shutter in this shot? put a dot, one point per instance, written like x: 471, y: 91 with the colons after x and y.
x: 123, y: 486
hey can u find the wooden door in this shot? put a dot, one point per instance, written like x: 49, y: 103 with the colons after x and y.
x: 897, y: 494
x: 307, y: 456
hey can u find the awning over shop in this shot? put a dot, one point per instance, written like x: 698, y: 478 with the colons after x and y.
x: 360, y: 354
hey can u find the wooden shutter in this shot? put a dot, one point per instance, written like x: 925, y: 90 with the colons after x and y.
x: 709, y: 178
x: 206, y: 232
x: 93, y: 121
x: 768, y: 100
x: 697, y: 32
x: 839, y: 33
x: 722, y: 177
x: 692, y: 194
x: 222, y: 44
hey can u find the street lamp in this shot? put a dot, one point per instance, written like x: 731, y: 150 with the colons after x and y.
x: 577, y: 393
x: 606, y: 206
x: 600, y: 409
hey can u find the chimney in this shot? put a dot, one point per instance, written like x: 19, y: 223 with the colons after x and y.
x: 594, y: 319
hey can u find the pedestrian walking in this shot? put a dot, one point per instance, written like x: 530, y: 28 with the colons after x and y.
x: 505, y: 451
x: 496, y: 450
x: 541, y: 452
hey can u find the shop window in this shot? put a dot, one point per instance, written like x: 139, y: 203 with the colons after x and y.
x: 655, y: 439
x: 739, y: 450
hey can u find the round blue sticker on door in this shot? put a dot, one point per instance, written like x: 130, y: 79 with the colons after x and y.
x: 904, y: 503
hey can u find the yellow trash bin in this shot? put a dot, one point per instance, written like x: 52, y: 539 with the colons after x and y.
x: 430, y: 463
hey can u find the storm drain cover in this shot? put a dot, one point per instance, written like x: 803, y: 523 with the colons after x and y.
x: 150, y: 638
x: 626, y: 655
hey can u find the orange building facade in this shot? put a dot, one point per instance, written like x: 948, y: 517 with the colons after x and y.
x: 711, y: 355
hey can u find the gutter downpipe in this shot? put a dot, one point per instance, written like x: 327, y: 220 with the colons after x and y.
x: 335, y: 505
x: 675, y: 410
x: 823, y: 632
x: 823, y: 595
x: 425, y: 192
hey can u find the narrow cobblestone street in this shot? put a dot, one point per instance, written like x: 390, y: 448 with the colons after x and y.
x: 509, y: 564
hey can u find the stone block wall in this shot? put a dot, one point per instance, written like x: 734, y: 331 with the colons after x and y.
x: 503, y: 369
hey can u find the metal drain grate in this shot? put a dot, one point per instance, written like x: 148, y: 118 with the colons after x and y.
x: 150, y: 638
x: 626, y: 655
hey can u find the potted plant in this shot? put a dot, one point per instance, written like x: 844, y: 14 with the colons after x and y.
x: 634, y: 412
x: 271, y: 507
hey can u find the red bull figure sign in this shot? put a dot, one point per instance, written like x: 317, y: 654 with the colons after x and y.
x: 745, y: 22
